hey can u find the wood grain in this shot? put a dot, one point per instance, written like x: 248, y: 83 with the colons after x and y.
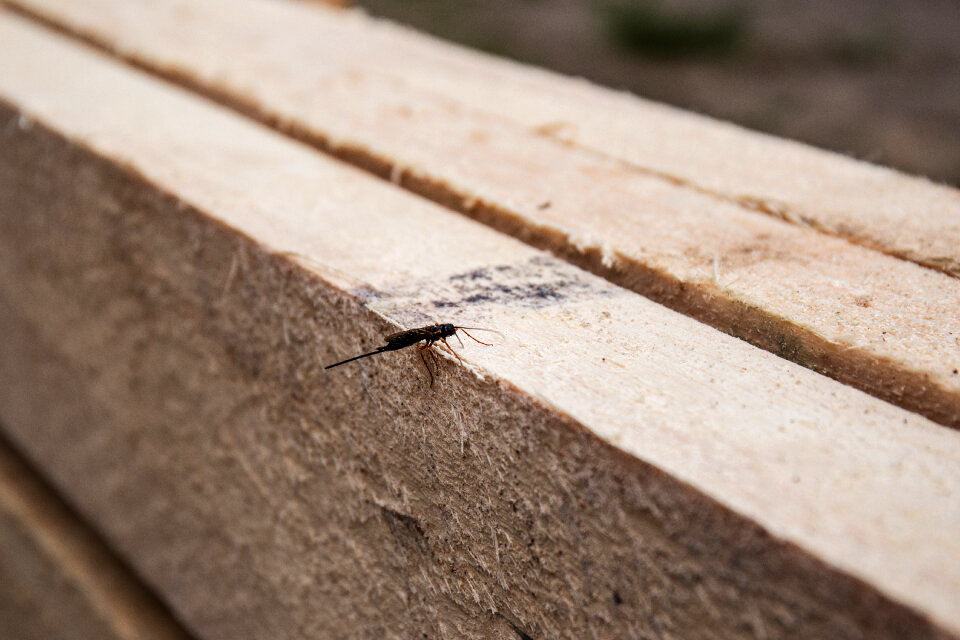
x: 612, y: 468
x: 760, y: 238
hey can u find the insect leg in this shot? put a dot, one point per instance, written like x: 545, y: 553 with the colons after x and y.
x: 474, y: 339
x: 421, y: 349
x: 450, y: 349
x: 436, y: 360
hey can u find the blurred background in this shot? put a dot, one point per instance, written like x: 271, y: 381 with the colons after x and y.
x: 878, y: 80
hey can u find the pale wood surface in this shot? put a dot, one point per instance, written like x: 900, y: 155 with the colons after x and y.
x: 656, y: 200
x: 600, y: 471
x: 57, y: 580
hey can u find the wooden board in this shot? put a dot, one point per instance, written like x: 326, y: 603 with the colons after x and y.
x: 57, y: 580
x: 610, y: 468
x: 869, y: 205
x: 671, y: 205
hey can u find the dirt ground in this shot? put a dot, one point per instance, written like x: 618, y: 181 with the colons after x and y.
x: 875, y: 79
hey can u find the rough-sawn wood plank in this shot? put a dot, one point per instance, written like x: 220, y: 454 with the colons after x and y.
x: 611, y: 468
x: 57, y: 579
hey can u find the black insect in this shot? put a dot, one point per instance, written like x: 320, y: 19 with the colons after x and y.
x: 429, y: 335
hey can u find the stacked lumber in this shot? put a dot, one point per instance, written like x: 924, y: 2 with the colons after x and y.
x: 194, y: 222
